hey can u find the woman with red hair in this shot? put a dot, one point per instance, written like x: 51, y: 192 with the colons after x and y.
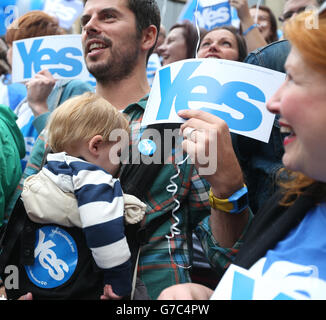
x: 284, y: 243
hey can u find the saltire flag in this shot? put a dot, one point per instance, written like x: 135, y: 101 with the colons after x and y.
x: 209, y: 13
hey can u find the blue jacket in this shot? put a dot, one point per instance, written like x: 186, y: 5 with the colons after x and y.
x: 261, y: 161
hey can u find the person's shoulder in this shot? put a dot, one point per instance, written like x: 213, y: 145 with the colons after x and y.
x: 7, y: 114
x: 76, y: 85
x: 272, y: 56
x: 277, y: 45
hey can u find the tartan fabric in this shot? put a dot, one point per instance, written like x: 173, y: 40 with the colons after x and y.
x: 219, y: 258
x: 157, y: 267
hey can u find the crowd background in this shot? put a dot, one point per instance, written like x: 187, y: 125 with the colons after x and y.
x: 255, y: 41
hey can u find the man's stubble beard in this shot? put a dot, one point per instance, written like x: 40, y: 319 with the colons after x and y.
x: 118, y: 66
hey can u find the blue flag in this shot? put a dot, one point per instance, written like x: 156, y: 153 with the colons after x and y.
x: 209, y: 13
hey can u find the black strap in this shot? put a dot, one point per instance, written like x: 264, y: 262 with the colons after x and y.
x: 137, y: 177
x: 12, y: 232
x: 27, y: 243
x: 270, y: 225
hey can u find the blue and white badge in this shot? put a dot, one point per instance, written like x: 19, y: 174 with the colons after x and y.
x: 56, y: 258
x: 147, y: 147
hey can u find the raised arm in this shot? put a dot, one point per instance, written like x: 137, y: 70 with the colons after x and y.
x: 254, y: 38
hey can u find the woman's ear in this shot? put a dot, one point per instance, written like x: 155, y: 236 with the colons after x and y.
x: 94, y: 145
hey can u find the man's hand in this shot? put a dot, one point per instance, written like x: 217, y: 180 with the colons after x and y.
x: 186, y: 291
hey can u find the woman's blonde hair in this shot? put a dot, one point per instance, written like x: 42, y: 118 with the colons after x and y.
x: 311, y: 44
x: 80, y: 119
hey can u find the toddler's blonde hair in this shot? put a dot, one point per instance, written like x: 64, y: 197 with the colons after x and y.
x: 81, y: 118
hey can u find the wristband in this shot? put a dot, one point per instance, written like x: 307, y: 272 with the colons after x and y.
x: 255, y: 25
x: 234, y: 204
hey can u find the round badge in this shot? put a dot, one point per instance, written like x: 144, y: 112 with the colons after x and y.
x: 55, y: 260
x: 147, y: 147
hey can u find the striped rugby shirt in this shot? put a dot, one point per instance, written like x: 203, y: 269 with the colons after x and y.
x: 101, y: 208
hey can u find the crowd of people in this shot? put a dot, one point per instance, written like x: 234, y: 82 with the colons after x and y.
x: 61, y: 168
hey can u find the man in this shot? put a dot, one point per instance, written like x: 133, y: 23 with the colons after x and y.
x: 293, y: 7
x: 118, y: 37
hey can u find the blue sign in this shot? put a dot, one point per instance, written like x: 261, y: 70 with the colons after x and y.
x: 37, y: 58
x: 62, y: 55
x: 208, y: 17
x: 56, y: 258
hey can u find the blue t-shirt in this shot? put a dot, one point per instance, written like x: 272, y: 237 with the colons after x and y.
x: 294, y: 269
x: 304, y: 245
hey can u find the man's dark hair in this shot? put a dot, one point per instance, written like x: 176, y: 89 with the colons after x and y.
x: 147, y: 13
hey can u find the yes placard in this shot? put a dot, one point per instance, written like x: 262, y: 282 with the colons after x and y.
x: 62, y: 55
x: 236, y: 92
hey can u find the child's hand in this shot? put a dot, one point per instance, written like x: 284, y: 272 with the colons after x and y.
x: 108, y: 294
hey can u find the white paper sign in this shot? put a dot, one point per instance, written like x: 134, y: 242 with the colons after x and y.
x: 236, y: 92
x: 62, y: 55
x: 282, y: 281
x: 210, y: 3
x: 67, y: 11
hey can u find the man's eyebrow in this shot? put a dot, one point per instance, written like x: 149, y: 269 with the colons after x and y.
x: 104, y: 11
x: 108, y: 10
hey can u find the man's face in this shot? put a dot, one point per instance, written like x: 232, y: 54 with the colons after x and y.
x: 293, y: 7
x: 110, y: 40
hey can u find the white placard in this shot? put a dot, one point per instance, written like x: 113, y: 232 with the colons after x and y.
x: 236, y: 92
x: 62, y: 55
x: 210, y: 3
x: 66, y: 11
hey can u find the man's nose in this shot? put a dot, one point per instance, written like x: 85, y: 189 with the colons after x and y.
x: 91, y: 26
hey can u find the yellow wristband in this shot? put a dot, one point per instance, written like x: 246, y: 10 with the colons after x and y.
x: 236, y: 203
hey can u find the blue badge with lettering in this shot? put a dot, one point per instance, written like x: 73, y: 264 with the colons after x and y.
x: 56, y: 258
x: 147, y: 147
